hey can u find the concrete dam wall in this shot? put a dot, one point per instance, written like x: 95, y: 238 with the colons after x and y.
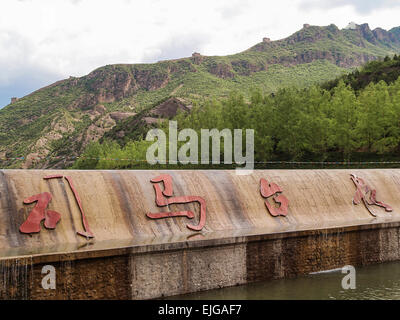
x: 147, y: 234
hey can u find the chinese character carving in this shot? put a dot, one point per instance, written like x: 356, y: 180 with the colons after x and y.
x: 272, y: 189
x: 51, y: 218
x: 164, y: 198
x: 86, y: 233
x: 39, y: 213
x: 367, y: 195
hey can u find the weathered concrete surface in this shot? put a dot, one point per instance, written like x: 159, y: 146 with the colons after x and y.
x: 172, y: 273
x: 116, y: 202
x: 135, y: 257
x: 161, y: 270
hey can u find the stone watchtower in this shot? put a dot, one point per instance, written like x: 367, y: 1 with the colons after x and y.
x: 306, y: 25
x: 197, y: 57
x: 266, y: 40
x: 14, y: 99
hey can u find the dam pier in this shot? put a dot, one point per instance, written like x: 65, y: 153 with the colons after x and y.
x: 144, y: 234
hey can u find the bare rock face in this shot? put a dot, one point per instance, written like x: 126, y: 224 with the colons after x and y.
x: 120, y: 134
x: 100, y: 108
x: 221, y: 70
x: 165, y: 110
x: 150, y: 80
x: 121, y: 115
x: 150, y: 120
x: 245, y: 68
x: 84, y: 102
x: 304, y: 36
x: 396, y: 33
x: 366, y: 33
x: 110, y: 84
x: 197, y: 58
x: 113, y: 83
x: 168, y: 108
x: 181, y: 67
x: 384, y: 36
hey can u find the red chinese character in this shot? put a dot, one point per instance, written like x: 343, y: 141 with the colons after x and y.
x: 86, y: 233
x: 363, y: 189
x: 39, y: 213
x: 163, y: 199
x: 272, y: 189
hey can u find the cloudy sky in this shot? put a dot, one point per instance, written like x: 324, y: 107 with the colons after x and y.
x: 42, y: 41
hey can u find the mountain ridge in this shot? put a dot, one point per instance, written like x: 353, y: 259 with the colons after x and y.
x: 61, y: 119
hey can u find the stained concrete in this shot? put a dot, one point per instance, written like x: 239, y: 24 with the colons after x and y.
x: 133, y: 257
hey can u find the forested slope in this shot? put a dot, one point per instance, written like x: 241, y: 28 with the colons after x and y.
x: 339, y: 123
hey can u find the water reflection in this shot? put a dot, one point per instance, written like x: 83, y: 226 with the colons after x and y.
x: 372, y: 283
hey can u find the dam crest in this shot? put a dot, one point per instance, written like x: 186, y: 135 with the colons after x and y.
x: 138, y: 234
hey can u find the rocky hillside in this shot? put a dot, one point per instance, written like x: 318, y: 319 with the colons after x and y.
x: 54, y: 124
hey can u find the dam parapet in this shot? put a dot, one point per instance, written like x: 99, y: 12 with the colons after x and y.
x: 146, y: 234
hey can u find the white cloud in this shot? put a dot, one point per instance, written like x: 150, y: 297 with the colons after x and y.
x: 47, y: 39
x: 178, y: 46
x: 362, y: 6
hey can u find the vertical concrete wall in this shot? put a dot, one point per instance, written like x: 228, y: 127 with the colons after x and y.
x: 177, y: 272
x: 132, y: 274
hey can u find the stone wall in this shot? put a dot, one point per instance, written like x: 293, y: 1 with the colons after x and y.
x: 133, y: 256
x: 179, y: 269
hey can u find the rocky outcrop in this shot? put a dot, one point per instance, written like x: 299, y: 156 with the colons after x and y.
x: 366, y: 33
x: 117, y: 116
x: 197, y: 58
x: 310, y: 37
x: 135, y: 126
x: 383, y: 36
x: 221, y: 70
x: 169, y: 108
x: 150, y: 80
x: 395, y: 32
x: 245, y: 68
x: 180, y: 67
x: 113, y: 83
x: 107, y: 98
x: 339, y: 59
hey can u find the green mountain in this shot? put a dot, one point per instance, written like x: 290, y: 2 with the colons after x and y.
x: 387, y: 70
x: 352, y: 118
x: 59, y: 121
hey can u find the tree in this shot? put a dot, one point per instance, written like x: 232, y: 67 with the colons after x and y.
x: 376, y: 118
x: 344, y: 111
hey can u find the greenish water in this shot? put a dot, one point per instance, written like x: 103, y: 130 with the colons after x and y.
x: 374, y: 282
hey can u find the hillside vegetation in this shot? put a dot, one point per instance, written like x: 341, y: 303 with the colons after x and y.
x: 339, y: 124
x: 387, y: 70
x: 56, y: 123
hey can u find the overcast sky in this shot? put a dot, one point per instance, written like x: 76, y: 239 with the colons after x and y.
x: 42, y: 41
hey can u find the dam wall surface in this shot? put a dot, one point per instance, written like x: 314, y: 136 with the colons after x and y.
x: 147, y: 234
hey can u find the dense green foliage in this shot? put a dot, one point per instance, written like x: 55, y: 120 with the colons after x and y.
x: 293, y: 124
x: 60, y: 120
x: 387, y: 70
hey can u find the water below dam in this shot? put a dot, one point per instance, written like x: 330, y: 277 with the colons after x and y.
x: 374, y: 282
